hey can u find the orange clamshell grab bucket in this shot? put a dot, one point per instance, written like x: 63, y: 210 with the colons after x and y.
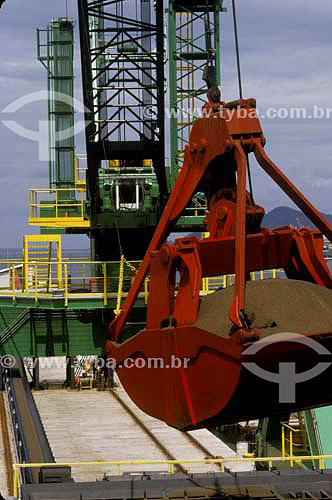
x: 191, y: 378
x: 188, y: 366
x: 186, y: 395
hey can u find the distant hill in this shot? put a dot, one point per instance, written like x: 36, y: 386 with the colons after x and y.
x: 285, y: 216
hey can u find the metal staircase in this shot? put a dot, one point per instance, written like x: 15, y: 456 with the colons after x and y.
x: 12, y: 328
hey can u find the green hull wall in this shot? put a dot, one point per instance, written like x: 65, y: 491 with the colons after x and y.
x: 54, y: 333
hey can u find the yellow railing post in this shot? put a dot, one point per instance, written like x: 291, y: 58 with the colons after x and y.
x: 274, y: 274
x: 16, y: 478
x: 66, y: 284
x: 170, y: 468
x: 253, y: 276
x: 105, y: 284
x: 49, y: 268
x: 291, y: 448
x: 59, y: 259
x: 26, y: 264
x: 262, y: 275
x: 283, y: 449
x: 146, y: 290
x: 82, y: 205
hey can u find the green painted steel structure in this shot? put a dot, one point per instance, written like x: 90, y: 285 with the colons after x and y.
x: 318, y: 424
x: 324, y: 424
x: 193, y: 39
x: 122, y: 60
x: 46, y: 332
x: 35, y: 325
x: 56, y: 53
x: 54, y: 333
x: 47, y: 326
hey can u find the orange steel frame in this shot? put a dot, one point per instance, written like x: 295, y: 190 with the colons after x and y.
x: 215, y: 162
x: 211, y: 137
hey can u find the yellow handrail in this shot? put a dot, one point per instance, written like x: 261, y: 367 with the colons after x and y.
x: 38, y: 278
x: 169, y: 463
x: 285, y: 426
x: 58, y: 219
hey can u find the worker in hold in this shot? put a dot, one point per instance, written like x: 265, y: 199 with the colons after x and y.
x: 87, y: 370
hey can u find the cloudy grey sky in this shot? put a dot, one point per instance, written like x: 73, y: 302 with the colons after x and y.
x: 286, y: 50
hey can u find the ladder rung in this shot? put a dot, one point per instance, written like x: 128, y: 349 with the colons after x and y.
x: 38, y: 246
x: 39, y: 253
